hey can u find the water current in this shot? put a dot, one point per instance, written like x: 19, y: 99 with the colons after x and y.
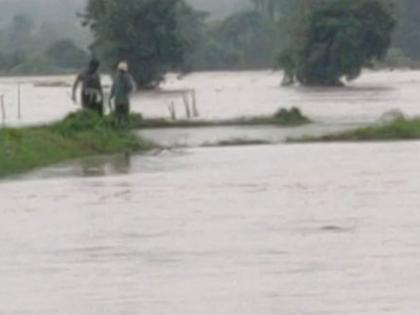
x: 269, y: 229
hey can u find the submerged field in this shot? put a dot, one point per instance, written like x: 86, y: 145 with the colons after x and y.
x: 400, y: 129
x: 283, y: 117
x: 79, y: 135
x: 84, y: 134
x: 222, y: 230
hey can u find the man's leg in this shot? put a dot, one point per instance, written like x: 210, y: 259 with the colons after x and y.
x: 126, y: 113
x: 99, y: 108
x: 118, y: 114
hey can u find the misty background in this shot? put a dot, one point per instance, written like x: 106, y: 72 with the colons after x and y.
x: 46, y: 36
x: 58, y: 18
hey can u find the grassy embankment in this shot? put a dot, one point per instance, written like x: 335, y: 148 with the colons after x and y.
x: 85, y: 134
x: 399, y: 129
x: 282, y: 118
x: 79, y: 135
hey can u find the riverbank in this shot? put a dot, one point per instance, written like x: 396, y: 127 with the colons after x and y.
x: 79, y: 135
x: 399, y: 129
x: 83, y: 134
x: 281, y: 118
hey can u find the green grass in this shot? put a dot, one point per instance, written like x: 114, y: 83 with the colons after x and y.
x: 236, y: 142
x: 282, y: 118
x: 79, y: 135
x: 400, y: 129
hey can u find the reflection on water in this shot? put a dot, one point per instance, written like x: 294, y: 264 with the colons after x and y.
x: 118, y: 164
x: 114, y: 165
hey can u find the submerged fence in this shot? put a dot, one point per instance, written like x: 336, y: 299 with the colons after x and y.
x: 189, y: 100
x: 3, y: 104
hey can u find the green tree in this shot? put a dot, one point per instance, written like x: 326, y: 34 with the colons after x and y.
x: 244, y: 40
x: 65, y: 54
x: 407, y: 37
x: 146, y: 33
x: 274, y: 9
x: 338, y: 38
x: 20, y: 33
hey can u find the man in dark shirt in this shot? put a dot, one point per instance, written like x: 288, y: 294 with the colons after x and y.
x: 91, y: 93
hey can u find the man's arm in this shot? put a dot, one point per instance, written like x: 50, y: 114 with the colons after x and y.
x: 111, y: 96
x: 75, y: 86
x: 132, y: 83
x: 101, y: 91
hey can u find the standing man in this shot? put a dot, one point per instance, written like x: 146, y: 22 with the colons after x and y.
x: 91, y: 94
x: 121, y: 88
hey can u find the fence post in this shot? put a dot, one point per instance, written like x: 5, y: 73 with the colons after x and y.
x: 194, y: 104
x: 172, y: 111
x: 187, y: 104
x: 3, y: 110
x: 19, y: 108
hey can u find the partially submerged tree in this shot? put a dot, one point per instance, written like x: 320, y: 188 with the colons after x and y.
x: 337, y: 39
x: 146, y: 33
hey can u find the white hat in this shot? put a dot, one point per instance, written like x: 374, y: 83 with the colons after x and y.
x: 123, y: 66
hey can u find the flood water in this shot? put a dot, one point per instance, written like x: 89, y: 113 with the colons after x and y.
x: 230, y: 95
x: 271, y: 229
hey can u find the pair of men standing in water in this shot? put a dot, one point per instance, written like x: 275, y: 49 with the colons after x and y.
x: 92, y: 95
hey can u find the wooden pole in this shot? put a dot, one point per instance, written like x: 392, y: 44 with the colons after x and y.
x: 194, y: 104
x: 19, y: 105
x: 3, y: 110
x: 172, y: 111
x: 187, y: 105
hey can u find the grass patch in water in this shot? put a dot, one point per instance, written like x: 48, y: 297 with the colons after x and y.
x: 236, y: 142
x: 79, y: 135
x: 399, y: 129
x: 282, y: 118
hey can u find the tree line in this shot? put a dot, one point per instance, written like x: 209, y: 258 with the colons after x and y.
x: 156, y: 36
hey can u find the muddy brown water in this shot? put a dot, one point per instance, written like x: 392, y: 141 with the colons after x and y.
x: 272, y: 229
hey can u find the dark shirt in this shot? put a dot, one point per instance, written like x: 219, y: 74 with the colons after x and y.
x: 90, y: 80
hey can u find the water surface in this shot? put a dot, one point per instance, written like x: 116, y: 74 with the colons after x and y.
x: 273, y: 229
x: 296, y: 229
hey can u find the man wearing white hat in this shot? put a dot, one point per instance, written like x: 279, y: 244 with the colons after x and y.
x: 121, y: 88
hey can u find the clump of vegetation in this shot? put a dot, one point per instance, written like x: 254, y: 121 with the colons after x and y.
x: 78, y: 135
x: 236, y: 142
x: 337, y: 39
x: 399, y: 129
x: 290, y: 117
